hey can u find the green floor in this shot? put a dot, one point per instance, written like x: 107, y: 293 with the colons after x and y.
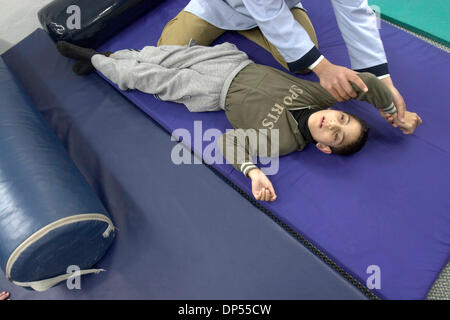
x: 430, y: 19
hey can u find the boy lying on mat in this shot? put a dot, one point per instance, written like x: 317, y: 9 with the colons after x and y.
x: 288, y: 111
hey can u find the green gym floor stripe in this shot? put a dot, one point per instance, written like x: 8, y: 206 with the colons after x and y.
x: 430, y: 19
x: 432, y: 42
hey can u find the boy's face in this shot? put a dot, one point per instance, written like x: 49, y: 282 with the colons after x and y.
x: 333, y: 128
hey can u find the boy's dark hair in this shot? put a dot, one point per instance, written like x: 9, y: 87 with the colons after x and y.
x: 356, y: 145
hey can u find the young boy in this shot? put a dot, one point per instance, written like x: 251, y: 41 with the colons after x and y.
x: 255, y: 98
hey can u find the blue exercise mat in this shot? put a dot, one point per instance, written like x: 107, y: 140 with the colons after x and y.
x: 387, y: 206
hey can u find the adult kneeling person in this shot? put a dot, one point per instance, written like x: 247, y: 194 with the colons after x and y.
x: 283, y: 28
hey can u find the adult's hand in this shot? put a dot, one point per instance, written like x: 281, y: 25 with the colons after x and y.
x: 411, y: 122
x: 336, y: 80
x: 262, y: 188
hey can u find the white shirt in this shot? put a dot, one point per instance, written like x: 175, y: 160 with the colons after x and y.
x: 356, y: 20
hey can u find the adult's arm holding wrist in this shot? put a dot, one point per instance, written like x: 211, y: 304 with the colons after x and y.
x: 359, y: 27
x: 396, y: 97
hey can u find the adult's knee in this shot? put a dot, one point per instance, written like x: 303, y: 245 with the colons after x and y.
x: 172, y: 33
x: 186, y: 26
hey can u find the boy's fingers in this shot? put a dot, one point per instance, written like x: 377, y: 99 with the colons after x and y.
x: 272, y: 191
x: 266, y: 195
x: 273, y: 197
x: 395, y: 120
x: 387, y: 116
x: 262, y: 196
x: 383, y: 114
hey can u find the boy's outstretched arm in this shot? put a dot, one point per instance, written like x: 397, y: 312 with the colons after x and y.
x: 238, y: 149
x: 380, y: 96
x: 377, y: 94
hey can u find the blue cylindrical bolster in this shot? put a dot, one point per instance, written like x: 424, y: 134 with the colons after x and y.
x: 50, y: 218
x: 89, y: 23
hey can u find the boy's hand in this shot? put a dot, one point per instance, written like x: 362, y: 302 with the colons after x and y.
x: 262, y: 188
x: 389, y: 118
x: 412, y: 121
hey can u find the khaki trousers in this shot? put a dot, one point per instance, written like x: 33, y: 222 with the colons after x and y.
x: 186, y: 25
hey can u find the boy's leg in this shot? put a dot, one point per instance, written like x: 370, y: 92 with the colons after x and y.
x: 167, y: 84
x: 193, y: 76
x: 257, y: 36
x: 186, y: 26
